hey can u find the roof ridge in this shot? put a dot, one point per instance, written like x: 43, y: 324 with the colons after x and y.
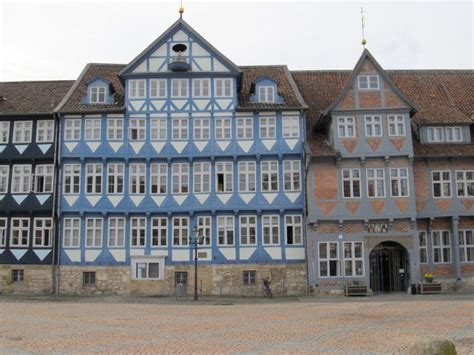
x: 36, y: 81
x: 264, y: 66
x: 117, y: 64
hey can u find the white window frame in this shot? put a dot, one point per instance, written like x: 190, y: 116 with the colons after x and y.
x: 267, y: 127
x: 20, y: 230
x: 141, y: 268
x: 423, y: 245
x: 136, y: 88
x: 223, y: 129
x: 353, y: 259
x: 158, y: 128
x: 352, y: 179
x: 223, y: 87
x: 269, y: 223
x: 435, y: 134
x: 466, y: 184
x: 116, y: 232
x: 72, y: 233
x: 96, y: 94
x: 71, y: 172
x: 246, y: 227
x: 25, y: 131
x: 245, y: 128
x: 443, y: 183
x: 93, y: 129
x: 291, y: 126
x: 225, y: 230
x: 42, y: 231
x: 346, y: 127
x: 46, y: 172
x: 269, y: 173
x: 292, y: 175
x: 94, y: 232
x: 4, y: 132
x: 204, y: 226
x: 138, y: 232
x: 291, y: 221
x: 328, y: 259
x: 373, y: 177
x: 137, y: 178
x: 454, y: 134
x: 441, y: 246
x: 202, y: 177
x: 201, y: 88
x: 226, y: 168
x: 247, y: 176
x: 464, y: 246
x: 4, y: 178
x: 138, y: 124
x: 3, y: 231
x: 266, y: 93
x: 180, y: 230
x: 159, y: 231
x: 45, y: 131
x: 180, y: 178
x: 396, y: 125
x: 180, y: 128
x: 373, y: 123
x: 370, y: 83
x: 179, y: 88
x: 201, y: 128
x: 159, y: 178
x: 115, y: 129
x: 24, y: 176
x: 158, y: 88
x: 72, y: 129
x: 94, y: 178
x: 398, y: 178
x: 115, y: 173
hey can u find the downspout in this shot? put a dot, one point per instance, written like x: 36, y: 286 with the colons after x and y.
x: 56, y: 241
x: 305, y: 208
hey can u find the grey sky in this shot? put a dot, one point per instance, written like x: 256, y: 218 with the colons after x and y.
x: 55, y: 40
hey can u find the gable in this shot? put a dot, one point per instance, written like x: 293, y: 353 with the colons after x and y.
x: 180, y: 38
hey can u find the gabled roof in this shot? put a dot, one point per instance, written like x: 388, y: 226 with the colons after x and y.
x: 287, y: 88
x: 72, y: 101
x: 31, y: 97
x: 175, y: 27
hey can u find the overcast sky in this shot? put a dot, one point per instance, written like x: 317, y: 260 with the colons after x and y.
x: 54, y: 40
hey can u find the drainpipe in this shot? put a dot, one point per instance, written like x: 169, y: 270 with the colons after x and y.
x: 54, y: 216
x: 455, y: 250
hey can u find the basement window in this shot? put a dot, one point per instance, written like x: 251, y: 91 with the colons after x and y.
x: 88, y: 278
x: 181, y: 278
x: 18, y: 275
x: 249, y: 277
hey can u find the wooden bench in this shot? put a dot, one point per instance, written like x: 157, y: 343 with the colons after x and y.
x: 356, y: 290
x: 426, y: 289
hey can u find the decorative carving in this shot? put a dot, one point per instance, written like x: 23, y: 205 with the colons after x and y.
x: 349, y: 144
x: 377, y: 205
x: 373, y: 143
x: 377, y: 227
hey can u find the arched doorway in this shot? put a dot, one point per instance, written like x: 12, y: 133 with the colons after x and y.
x: 389, y: 268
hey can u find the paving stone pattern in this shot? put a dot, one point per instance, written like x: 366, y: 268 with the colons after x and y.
x: 309, y: 325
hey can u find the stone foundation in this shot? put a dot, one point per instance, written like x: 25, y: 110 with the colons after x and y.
x: 217, y: 280
x: 38, y: 280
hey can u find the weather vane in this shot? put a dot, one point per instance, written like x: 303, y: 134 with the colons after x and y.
x: 363, y: 42
x: 181, y: 10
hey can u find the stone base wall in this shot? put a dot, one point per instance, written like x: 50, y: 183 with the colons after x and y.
x: 38, y: 280
x: 218, y: 280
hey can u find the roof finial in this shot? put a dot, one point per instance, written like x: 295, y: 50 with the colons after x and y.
x: 181, y: 10
x: 362, y: 18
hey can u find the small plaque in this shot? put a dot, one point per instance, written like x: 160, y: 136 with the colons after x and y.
x: 202, y: 255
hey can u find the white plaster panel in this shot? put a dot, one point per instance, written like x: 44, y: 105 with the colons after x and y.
x: 91, y: 254
x: 180, y: 255
x: 73, y: 254
x: 246, y: 253
x: 229, y: 253
x: 294, y: 253
x: 274, y: 252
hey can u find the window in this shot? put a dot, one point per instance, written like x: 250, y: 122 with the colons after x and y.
x: 204, y: 224
x: 4, y: 131
x: 44, y: 178
x: 20, y: 232
x: 179, y: 87
x: 18, y: 275
x: 375, y: 182
x: 271, y: 229
x: 22, y: 131
x: 45, y: 131
x: 291, y: 127
x: 224, y: 176
x: 201, y: 128
x: 159, y: 231
x: 435, y: 134
x: 396, y: 125
x: 346, y: 127
x: 3, y: 232
x: 158, y: 88
x: 116, y: 232
x: 137, y: 231
x: 43, y: 228
x: 294, y: 230
x: 441, y: 246
x: 225, y: 230
x: 72, y: 228
x: 181, y: 277
x: 137, y: 176
x: 148, y: 270
x: 267, y: 127
x: 115, y: 178
x: 88, y: 278
x: 266, y: 93
x: 158, y: 129
x: 399, y: 182
x: 94, y: 232
x: 202, y: 177
x: 353, y: 259
x: 115, y: 129
x: 21, y: 179
x: 466, y: 245
x: 159, y: 178
x: 248, y: 230
x: 93, y: 178
x: 423, y: 247
x: 92, y: 129
x: 451, y: 134
x: 249, y: 277
x: 201, y: 87
x: 136, y: 89
x: 72, y: 129
x: 464, y: 183
x: 180, y: 178
x: 4, y: 174
x: 223, y: 128
x: 454, y: 134
x: 180, y: 231
x: 368, y: 82
x: 269, y: 174
x: 247, y: 176
x: 292, y: 175
x: 328, y: 259
x: 441, y: 183
x: 351, y: 183
x: 180, y: 128
x: 244, y: 128
x: 137, y: 129
x: 97, y: 95
x: 373, y: 126
x: 223, y: 87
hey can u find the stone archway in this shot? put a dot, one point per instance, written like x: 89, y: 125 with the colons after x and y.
x: 389, y: 267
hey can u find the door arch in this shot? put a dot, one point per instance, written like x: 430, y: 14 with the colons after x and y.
x: 389, y: 268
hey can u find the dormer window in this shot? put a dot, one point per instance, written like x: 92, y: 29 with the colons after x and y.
x: 445, y: 134
x: 266, y: 93
x: 368, y: 82
x: 98, y: 95
x: 99, y: 91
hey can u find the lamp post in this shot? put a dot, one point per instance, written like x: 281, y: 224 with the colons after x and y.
x: 198, y: 238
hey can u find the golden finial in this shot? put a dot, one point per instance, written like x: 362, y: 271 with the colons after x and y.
x: 181, y: 10
x: 363, y: 42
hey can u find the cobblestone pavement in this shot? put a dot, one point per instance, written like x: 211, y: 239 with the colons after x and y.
x: 379, y: 324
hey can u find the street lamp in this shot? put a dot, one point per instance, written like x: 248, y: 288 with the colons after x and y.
x: 197, y: 238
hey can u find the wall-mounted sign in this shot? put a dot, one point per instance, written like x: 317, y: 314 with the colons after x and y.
x: 378, y: 228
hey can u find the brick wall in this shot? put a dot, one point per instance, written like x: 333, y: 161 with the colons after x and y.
x: 325, y: 180
x: 401, y: 225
